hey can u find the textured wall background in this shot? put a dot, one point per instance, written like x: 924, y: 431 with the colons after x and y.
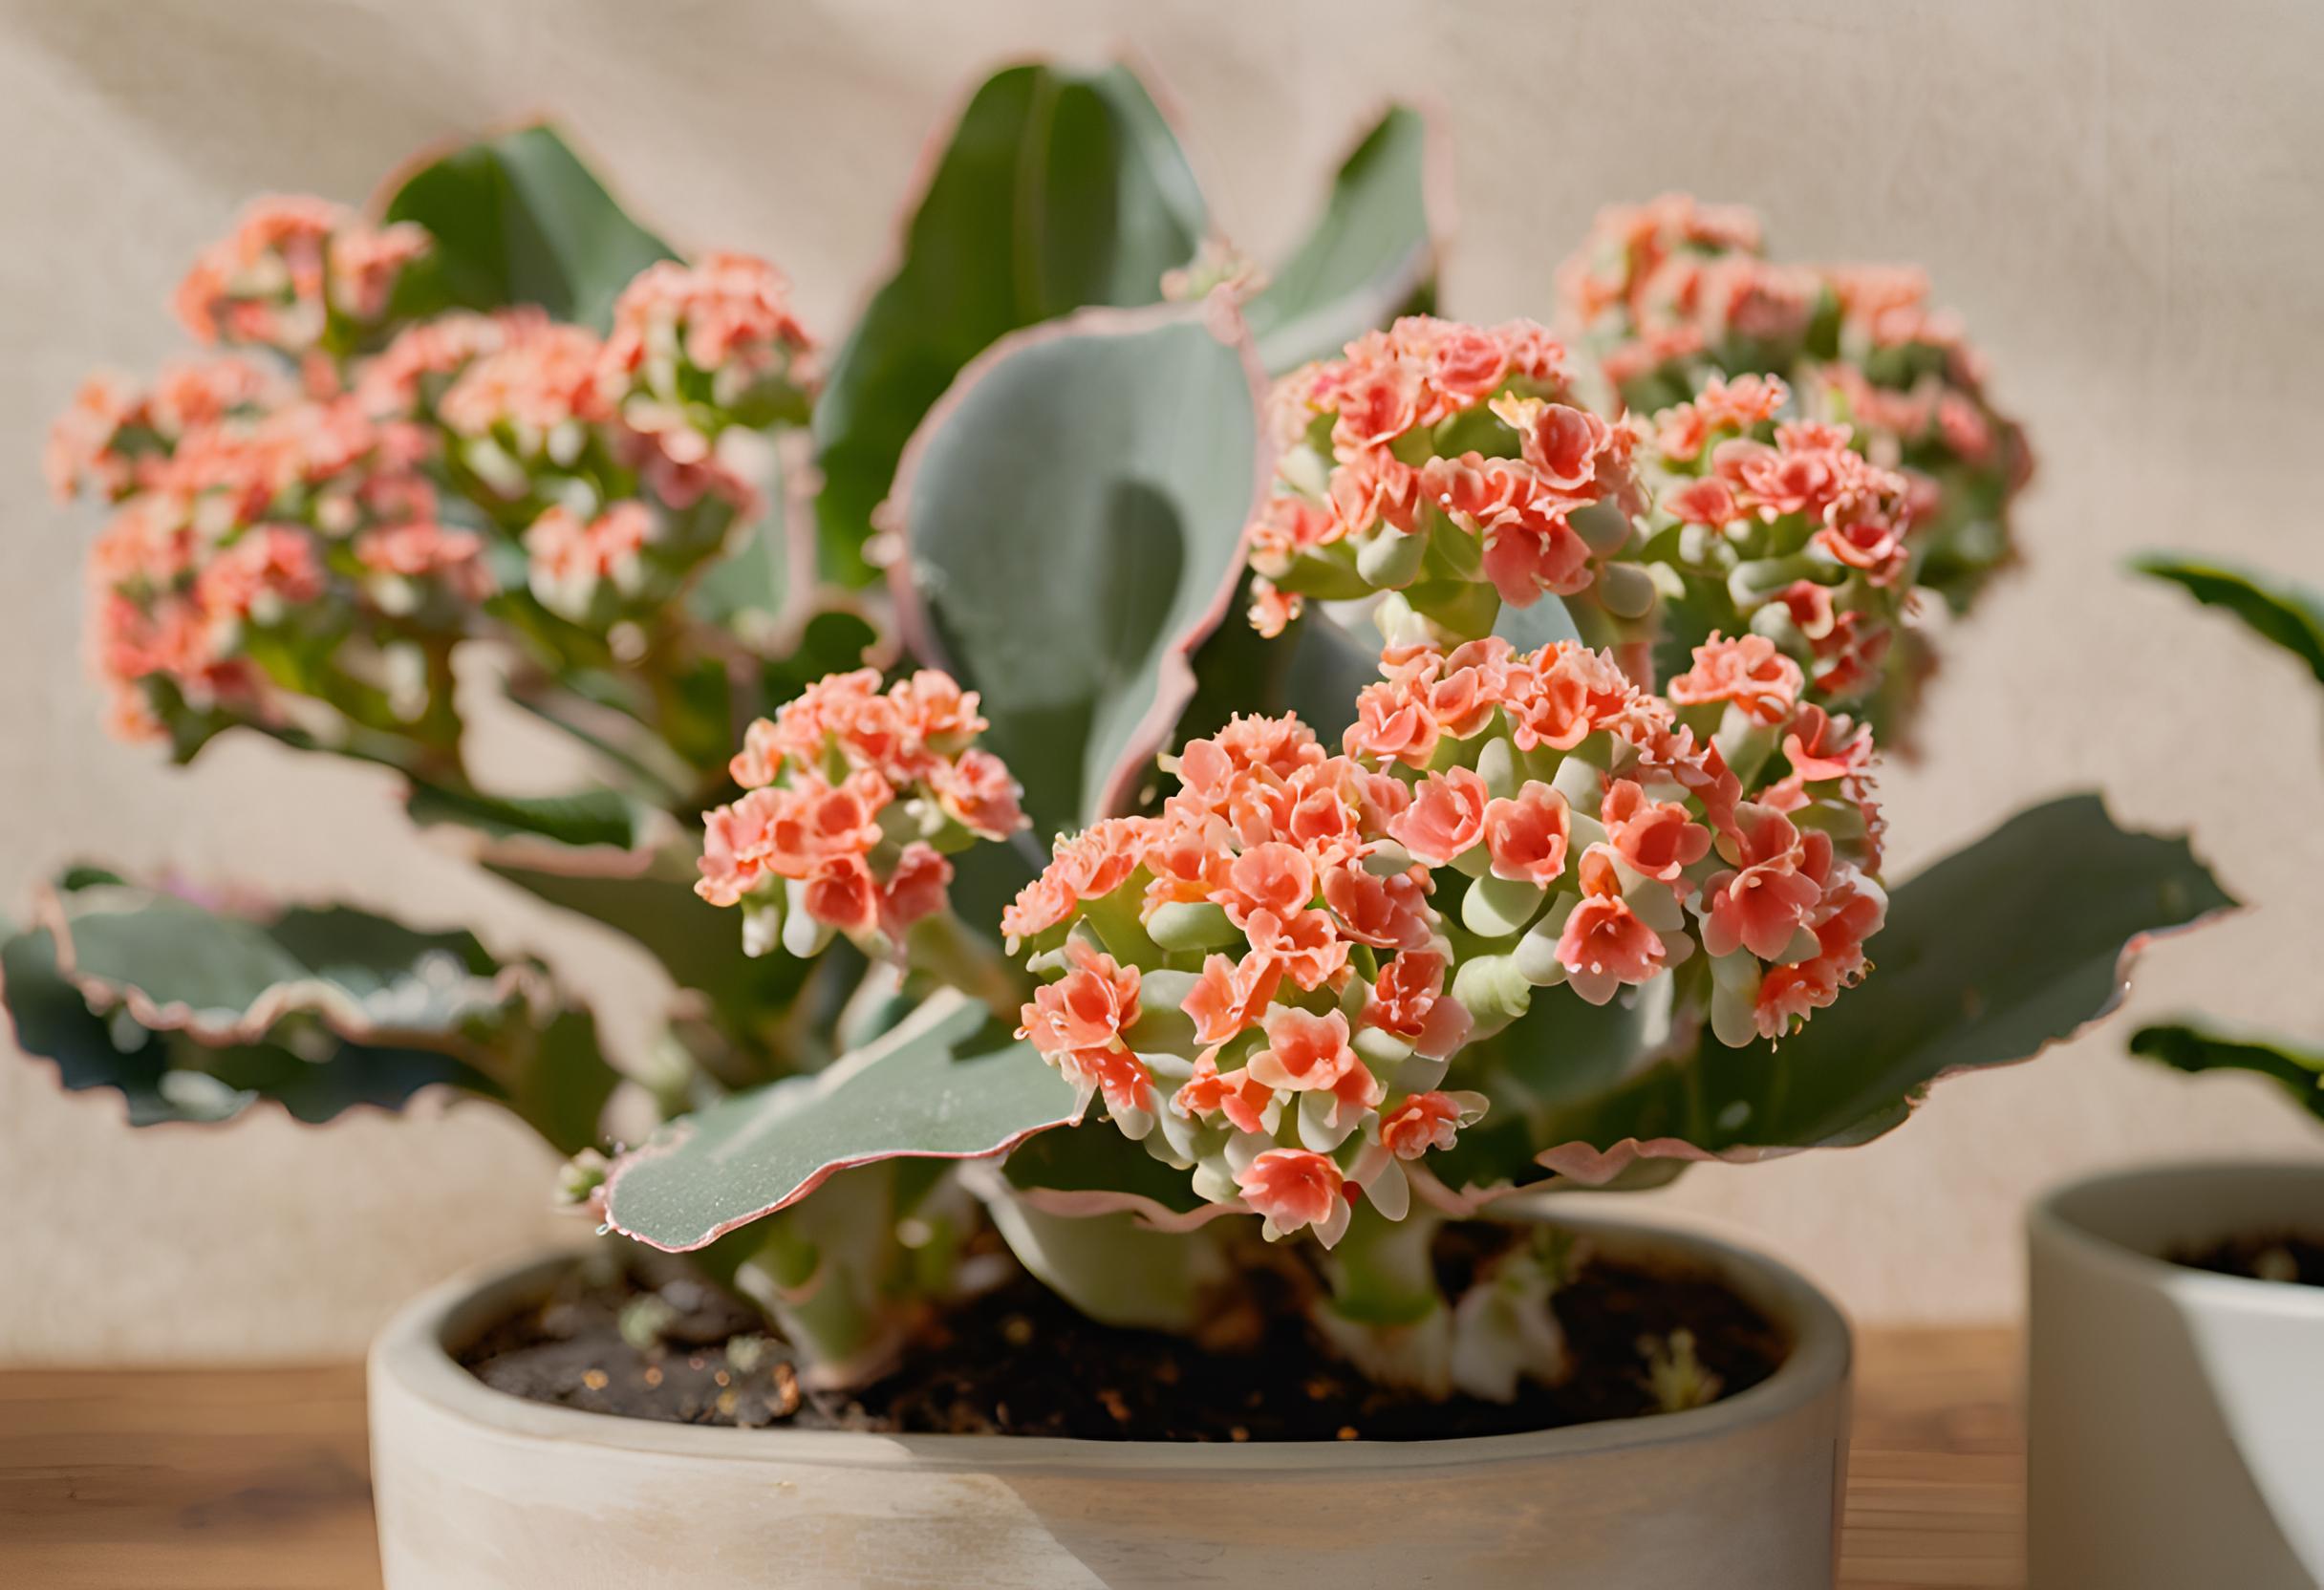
x: 2127, y: 202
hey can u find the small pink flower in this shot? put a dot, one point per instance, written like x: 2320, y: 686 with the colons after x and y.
x: 1423, y: 1122
x: 1658, y: 839
x: 1387, y: 912
x: 1810, y: 606
x: 1447, y: 816
x: 1271, y: 610
x: 976, y: 791
x: 1749, y: 671
x: 1305, y: 1053
x: 1409, y: 1001
x: 917, y: 887
x: 1820, y: 746
x: 1293, y: 1189
x: 1604, y: 945
x: 1087, y: 1008
x: 1763, y: 902
x: 1117, y: 1074
x: 1468, y: 364
x: 1563, y: 445
x: 1391, y: 726
x: 1527, y: 837
x: 841, y: 892
x: 1708, y: 500
x: 1234, y: 1094
x: 1304, y: 945
x: 1534, y: 555
x: 1230, y: 995
x: 1271, y: 876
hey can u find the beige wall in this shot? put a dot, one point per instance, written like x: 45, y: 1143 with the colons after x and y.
x: 2128, y: 203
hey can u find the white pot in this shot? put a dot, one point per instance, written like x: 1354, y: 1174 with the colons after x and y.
x: 2174, y: 1417
x: 481, y: 1491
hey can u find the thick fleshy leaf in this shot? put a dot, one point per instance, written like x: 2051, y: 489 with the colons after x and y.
x: 1367, y: 258
x: 2277, y: 610
x: 944, y: 1085
x: 224, y: 977
x: 1074, y: 517
x: 2299, y: 1072
x: 586, y: 817
x: 518, y: 219
x: 194, y: 1014
x: 1989, y: 957
x: 1055, y: 190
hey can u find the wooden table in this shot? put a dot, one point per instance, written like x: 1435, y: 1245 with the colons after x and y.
x: 255, y: 1479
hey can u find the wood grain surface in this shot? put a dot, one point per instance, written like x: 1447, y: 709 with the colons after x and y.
x: 250, y: 1479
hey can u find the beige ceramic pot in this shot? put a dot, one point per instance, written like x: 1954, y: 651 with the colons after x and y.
x: 2176, y: 1417
x: 481, y: 1491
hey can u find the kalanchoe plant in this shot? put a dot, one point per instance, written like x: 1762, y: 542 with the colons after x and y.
x: 2291, y: 617
x: 498, y: 435
x: 1554, y: 912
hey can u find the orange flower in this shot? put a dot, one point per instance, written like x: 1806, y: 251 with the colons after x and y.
x: 1293, y: 1190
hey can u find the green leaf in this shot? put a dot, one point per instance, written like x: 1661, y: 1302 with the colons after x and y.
x: 587, y: 817
x: 1990, y: 955
x: 2300, y: 1072
x: 518, y: 219
x: 1055, y: 190
x: 224, y: 977
x: 1073, y: 518
x: 1367, y: 259
x: 939, y: 1086
x: 193, y: 1014
x: 2276, y: 610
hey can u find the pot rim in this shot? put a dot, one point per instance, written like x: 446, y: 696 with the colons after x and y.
x: 410, y: 1353
x: 2051, y: 1221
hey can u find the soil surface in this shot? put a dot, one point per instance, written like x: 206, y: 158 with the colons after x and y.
x: 1018, y: 1362
x: 2296, y: 1257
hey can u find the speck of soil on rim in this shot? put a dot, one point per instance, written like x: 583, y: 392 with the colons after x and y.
x: 2293, y: 1257
x: 1016, y: 1360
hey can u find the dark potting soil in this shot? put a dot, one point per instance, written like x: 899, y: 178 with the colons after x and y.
x: 2296, y: 1257
x: 1018, y: 1362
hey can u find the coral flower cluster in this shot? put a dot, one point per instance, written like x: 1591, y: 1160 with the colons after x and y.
x: 856, y: 799
x: 1271, y: 981
x: 1671, y: 294
x: 296, y: 274
x: 1431, y: 455
x: 322, y: 513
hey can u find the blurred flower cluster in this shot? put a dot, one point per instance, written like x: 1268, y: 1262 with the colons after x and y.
x: 305, y: 524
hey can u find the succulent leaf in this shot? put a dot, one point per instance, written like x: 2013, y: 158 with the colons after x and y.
x: 518, y: 219
x: 194, y: 1014
x: 941, y: 1085
x: 1099, y: 203
x: 1368, y: 257
x: 1073, y: 515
